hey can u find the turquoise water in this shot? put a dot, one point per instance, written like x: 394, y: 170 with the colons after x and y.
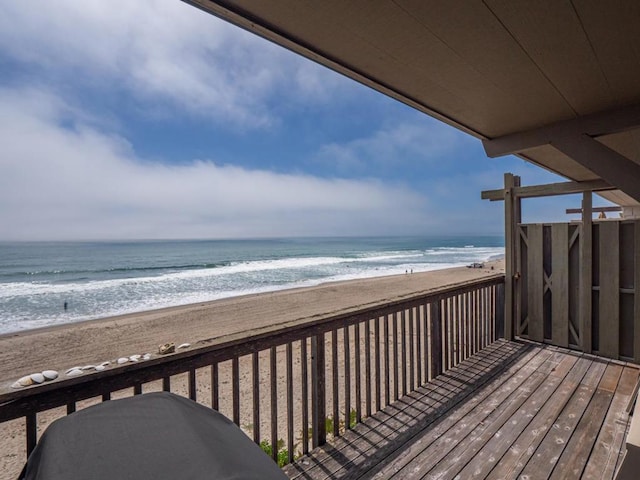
x: 101, y: 279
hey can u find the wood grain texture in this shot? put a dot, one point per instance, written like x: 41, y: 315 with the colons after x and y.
x: 609, y: 314
x: 535, y: 283
x: 560, y: 284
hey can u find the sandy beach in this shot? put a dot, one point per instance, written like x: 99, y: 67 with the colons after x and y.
x: 64, y: 346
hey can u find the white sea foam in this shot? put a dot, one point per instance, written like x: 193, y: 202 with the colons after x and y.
x: 38, y: 303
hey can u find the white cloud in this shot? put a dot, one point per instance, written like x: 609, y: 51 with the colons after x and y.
x: 164, y: 52
x: 62, y: 178
x: 423, y: 140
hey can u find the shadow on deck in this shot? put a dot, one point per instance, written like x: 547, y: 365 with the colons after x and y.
x: 514, y: 410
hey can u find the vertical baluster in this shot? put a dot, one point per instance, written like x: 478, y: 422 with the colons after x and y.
x: 467, y: 325
x: 166, y: 384
x: 499, y: 311
x: 425, y: 339
x: 235, y: 389
x: 410, y: 318
x: 106, y: 396
x: 455, y: 340
x: 334, y: 368
x: 385, y: 334
x: 492, y: 303
x: 465, y: 316
x: 318, y: 397
x: 418, y: 346
x: 403, y: 347
x: 71, y: 407
x: 289, y: 353
x: 192, y: 384
x: 305, y: 395
x: 137, y: 389
x: 31, y: 431
x: 214, y: 387
x: 481, y: 315
x: 476, y: 314
x: 347, y: 380
x: 256, y: 396
x: 490, y: 314
x: 485, y: 315
x: 376, y: 350
x: 395, y: 356
x: 367, y: 366
x: 460, y: 328
x: 358, y: 379
x: 436, y: 337
x: 445, y: 334
x: 451, y: 346
x: 472, y: 324
x: 274, y: 403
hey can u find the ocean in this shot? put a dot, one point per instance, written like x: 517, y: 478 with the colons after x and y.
x: 103, y: 279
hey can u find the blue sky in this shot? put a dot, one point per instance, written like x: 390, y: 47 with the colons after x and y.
x: 152, y: 119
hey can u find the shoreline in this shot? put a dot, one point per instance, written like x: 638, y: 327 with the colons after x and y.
x: 208, y: 303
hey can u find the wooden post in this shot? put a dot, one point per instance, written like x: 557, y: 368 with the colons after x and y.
x: 318, y: 406
x: 517, y: 257
x: 586, y: 281
x: 509, y: 242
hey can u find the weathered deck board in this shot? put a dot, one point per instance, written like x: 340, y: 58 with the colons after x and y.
x: 514, y: 408
x: 369, y: 443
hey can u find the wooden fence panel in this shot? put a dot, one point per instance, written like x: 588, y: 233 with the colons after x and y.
x: 560, y: 284
x: 535, y: 283
x: 609, y: 296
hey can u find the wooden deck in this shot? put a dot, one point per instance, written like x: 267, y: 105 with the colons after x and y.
x: 514, y: 410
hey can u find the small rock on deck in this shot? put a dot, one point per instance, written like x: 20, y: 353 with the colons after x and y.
x: 514, y: 410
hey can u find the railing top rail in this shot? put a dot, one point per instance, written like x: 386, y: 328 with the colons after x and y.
x: 58, y: 392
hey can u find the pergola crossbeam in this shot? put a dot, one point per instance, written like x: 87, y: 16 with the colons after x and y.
x: 549, y: 189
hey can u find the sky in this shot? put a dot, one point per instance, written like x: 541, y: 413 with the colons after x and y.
x: 154, y: 120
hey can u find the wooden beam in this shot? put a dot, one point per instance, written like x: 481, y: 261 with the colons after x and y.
x: 601, y: 123
x: 549, y: 189
x: 594, y: 210
x: 608, y: 164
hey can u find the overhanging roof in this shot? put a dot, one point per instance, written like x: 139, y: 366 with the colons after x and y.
x: 557, y: 83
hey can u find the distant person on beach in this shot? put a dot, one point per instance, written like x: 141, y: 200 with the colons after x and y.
x: 66, y: 305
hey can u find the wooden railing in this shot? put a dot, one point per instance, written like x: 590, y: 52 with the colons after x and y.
x: 292, y: 386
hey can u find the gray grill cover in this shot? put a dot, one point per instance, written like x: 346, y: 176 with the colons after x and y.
x: 152, y: 436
